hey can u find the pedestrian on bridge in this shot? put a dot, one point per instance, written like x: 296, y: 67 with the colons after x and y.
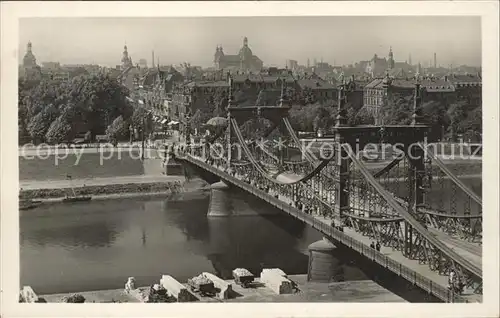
x: 372, y: 245
x: 377, y: 246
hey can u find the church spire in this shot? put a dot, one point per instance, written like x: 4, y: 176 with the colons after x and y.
x: 126, y: 60
x: 390, y: 61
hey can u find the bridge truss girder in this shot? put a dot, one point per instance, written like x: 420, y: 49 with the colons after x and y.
x: 390, y: 230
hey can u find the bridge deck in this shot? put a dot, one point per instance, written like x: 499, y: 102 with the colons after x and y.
x: 394, y: 260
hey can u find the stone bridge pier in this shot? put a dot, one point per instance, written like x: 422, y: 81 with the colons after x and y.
x: 324, y: 266
x: 220, y: 201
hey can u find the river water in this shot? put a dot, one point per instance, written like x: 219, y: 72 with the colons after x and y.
x: 97, y: 245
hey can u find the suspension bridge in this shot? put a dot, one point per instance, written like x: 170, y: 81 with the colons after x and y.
x: 422, y: 238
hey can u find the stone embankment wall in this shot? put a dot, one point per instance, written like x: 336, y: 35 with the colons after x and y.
x: 167, y: 187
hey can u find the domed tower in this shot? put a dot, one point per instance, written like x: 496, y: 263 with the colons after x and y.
x: 126, y: 61
x: 29, y: 59
x: 245, y: 55
x: 390, y: 61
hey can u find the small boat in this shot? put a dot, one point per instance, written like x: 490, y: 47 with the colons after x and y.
x: 83, y: 198
x: 74, y: 197
x: 29, y: 204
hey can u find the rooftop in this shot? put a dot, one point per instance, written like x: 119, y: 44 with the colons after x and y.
x: 429, y: 84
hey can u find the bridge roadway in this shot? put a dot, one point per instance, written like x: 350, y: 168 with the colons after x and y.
x: 419, y: 274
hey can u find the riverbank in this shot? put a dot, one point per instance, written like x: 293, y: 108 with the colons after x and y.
x: 350, y: 291
x: 157, y: 184
x: 114, y: 191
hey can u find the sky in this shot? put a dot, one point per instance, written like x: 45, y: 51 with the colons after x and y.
x: 344, y: 40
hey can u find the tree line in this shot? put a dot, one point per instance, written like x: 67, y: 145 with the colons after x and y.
x: 59, y: 111
x: 54, y: 112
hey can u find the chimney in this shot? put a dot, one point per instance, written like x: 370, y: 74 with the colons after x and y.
x: 435, y: 61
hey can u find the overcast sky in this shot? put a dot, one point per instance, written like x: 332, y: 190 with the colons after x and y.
x: 344, y: 40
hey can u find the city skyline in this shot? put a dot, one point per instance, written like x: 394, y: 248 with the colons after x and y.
x: 341, y: 40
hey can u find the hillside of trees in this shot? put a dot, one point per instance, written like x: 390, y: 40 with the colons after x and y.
x: 55, y: 112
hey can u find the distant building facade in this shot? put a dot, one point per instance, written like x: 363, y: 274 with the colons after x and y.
x: 292, y: 65
x: 245, y: 60
x: 378, y: 66
x: 377, y: 93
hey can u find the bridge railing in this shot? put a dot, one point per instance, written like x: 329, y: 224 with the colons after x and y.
x: 409, y: 274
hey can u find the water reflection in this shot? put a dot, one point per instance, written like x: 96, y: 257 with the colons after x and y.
x: 52, y: 225
x: 255, y: 243
x: 69, y: 248
x: 97, y: 245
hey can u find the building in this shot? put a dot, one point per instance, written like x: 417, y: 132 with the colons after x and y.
x: 319, y: 89
x: 377, y: 93
x: 60, y: 74
x: 468, y: 86
x: 130, y: 75
x: 155, y: 89
x: 191, y: 96
x: 126, y: 59
x: 377, y: 67
x: 322, y: 67
x: 245, y: 60
x: 51, y: 65
x: 29, y: 70
x: 162, y: 75
x: 292, y: 65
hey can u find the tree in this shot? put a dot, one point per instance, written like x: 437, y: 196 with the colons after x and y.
x: 398, y: 110
x: 435, y: 115
x: 118, y: 130
x: 59, y: 131
x: 361, y: 117
x: 142, y: 120
x: 323, y: 118
x: 199, y: 119
x: 94, y: 100
x: 302, y: 117
x: 39, y: 125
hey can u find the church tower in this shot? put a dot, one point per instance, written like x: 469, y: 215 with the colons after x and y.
x: 219, y: 53
x: 390, y: 61
x: 29, y: 59
x: 126, y: 60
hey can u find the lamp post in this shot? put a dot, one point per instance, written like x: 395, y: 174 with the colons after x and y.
x: 142, y: 130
